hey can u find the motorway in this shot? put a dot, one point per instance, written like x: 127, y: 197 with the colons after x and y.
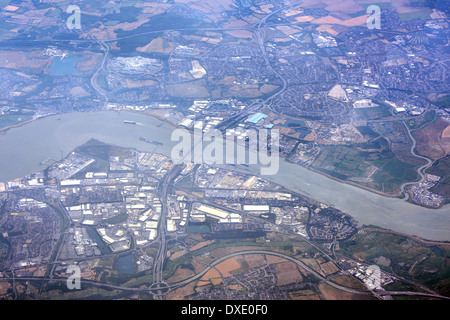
x: 266, y: 252
x: 259, y: 35
x: 158, y: 286
x: 162, y: 291
x: 94, y: 83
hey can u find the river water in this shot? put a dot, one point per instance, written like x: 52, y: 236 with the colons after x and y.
x: 23, y: 149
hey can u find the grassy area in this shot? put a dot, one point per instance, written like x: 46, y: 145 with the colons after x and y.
x: 367, y: 132
x: 157, y: 23
x: 426, y: 118
x: 6, y: 25
x: 95, y: 149
x: 382, y: 5
x: 193, y: 89
x: 117, y: 219
x: 394, y: 172
x: 422, y: 14
x: 111, y: 23
x: 146, y: 279
x: 425, y: 264
x: 441, y: 168
x: 101, y: 80
x: 342, y: 161
x: 4, y: 250
x: 374, y: 113
x: 198, y: 228
x: 101, y: 153
x: 97, y: 166
x: 171, y: 266
x: 59, y: 290
x: 443, y: 102
x: 13, y: 119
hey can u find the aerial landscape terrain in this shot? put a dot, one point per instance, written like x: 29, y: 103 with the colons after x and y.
x: 317, y: 163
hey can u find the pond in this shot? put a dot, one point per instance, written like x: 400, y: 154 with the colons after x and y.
x: 125, y: 264
x: 62, y: 67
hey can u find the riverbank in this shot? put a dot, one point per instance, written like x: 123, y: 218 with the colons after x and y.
x: 397, y: 195
x: 155, y: 113
x: 23, y: 149
x: 415, y: 238
x: 4, y: 130
x: 354, y: 184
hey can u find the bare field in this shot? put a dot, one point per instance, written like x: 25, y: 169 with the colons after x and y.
x: 4, y: 286
x: 79, y: 92
x: 181, y: 274
x: 446, y: 133
x: 274, y: 259
x: 433, y: 141
x: 131, y: 84
x: 158, y: 45
x: 229, y: 265
x: 329, y: 268
x: 358, y: 21
x: 195, y: 89
x: 108, y: 32
x: 244, y: 34
x: 33, y: 60
x: 178, y: 254
x: 330, y: 293
x: 89, y: 63
x: 349, y: 282
x: 197, y: 266
x: 182, y: 292
x: 208, y: 6
x: 201, y: 245
x: 212, y: 273
x: 255, y: 260
x: 304, y: 295
x: 288, y: 273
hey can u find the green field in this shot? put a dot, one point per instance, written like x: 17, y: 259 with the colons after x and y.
x: 13, y: 119
x: 374, y: 113
x: 342, y: 160
x: 117, y: 219
x: 422, y: 14
x: 394, y: 172
x: 441, y: 168
x: 345, y: 162
x: 367, y: 132
x: 95, y: 149
x: 193, y: 89
x: 443, y: 102
x: 413, y: 260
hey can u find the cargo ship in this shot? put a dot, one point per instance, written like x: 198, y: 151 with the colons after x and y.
x: 129, y: 122
x: 152, y: 142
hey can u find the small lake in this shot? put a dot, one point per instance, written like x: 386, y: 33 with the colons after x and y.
x: 298, y: 126
x: 65, y: 66
x: 125, y: 264
x: 294, y: 124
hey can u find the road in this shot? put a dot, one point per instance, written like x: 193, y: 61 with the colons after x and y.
x: 158, y: 286
x: 259, y: 35
x: 94, y: 83
x: 272, y: 253
x: 422, y: 168
x: 176, y: 285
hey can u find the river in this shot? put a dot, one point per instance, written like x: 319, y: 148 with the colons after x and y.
x: 22, y: 150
